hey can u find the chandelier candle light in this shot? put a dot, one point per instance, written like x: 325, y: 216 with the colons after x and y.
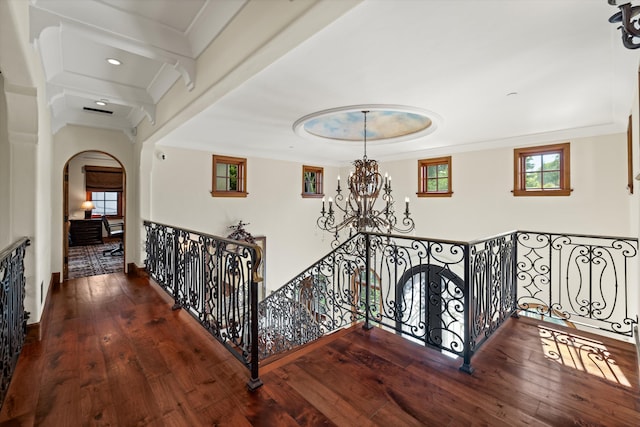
x: 629, y: 23
x: 358, y: 208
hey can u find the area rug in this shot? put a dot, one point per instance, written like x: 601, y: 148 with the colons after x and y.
x: 88, y: 260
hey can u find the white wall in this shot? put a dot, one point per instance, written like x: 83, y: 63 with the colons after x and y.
x: 483, y: 205
x: 180, y: 196
x: 72, y: 140
x: 42, y: 201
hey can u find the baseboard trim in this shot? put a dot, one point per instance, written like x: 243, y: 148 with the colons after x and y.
x: 134, y: 271
x: 36, y: 331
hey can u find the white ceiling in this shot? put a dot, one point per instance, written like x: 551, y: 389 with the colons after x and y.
x: 459, y: 59
x: 157, y: 41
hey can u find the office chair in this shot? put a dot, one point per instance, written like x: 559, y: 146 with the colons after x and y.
x: 114, y: 233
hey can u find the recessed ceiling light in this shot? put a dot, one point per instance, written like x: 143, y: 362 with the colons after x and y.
x: 512, y: 93
x: 114, y: 61
x: 102, y: 102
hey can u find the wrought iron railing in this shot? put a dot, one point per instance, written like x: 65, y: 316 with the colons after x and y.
x: 582, y: 279
x: 13, y: 325
x: 492, y: 292
x: 414, y: 287
x: 447, y: 295
x: 215, y: 280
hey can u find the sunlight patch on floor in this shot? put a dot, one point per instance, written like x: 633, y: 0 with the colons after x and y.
x: 581, y: 353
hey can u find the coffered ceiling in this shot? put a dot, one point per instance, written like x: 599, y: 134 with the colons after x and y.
x: 157, y: 42
x: 489, y: 72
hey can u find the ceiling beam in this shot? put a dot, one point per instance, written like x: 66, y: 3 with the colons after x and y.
x: 139, y: 36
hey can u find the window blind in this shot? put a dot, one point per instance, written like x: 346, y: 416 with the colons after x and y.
x: 102, y: 178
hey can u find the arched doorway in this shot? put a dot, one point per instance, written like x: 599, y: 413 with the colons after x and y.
x: 94, y: 201
x: 430, y: 307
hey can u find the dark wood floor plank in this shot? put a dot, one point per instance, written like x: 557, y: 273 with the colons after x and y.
x: 407, y: 392
x: 59, y: 396
x: 96, y: 404
x: 293, y: 403
x: 322, y: 396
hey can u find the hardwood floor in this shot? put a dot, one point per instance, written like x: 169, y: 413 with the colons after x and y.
x: 115, y: 354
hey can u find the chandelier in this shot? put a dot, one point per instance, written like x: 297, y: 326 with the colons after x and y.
x: 357, y: 208
x: 630, y: 26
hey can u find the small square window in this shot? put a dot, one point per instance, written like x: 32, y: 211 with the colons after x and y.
x: 229, y: 177
x: 312, y: 181
x: 541, y: 171
x: 434, y: 177
x: 107, y: 203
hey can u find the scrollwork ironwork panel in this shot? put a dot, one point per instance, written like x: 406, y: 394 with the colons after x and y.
x: 492, y: 287
x: 407, y: 285
x: 317, y: 301
x: 418, y: 290
x: 14, y: 318
x: 210, y: 277
x: 577, y: 278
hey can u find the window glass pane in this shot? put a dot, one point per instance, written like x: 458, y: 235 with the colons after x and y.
x: 533, y: 163
x: 431, y: 171
x: 111, y: 195
x: 551, y: 161
x: 443, y: 184
x: 221, y: 184
x: 533, y: 180
x: 97, y: 195
x: 309, y: 182
x: 551, y: 179
x: 221, y: 169
x: 111, y: 208
x: 233, y: 177
x: 443, y: 170
x: 432, y: 185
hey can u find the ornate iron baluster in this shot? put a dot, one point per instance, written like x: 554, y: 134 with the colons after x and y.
x: 14, y: 318
x: 214, y: 280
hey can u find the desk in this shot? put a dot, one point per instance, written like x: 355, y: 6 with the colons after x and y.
x: 85, y: 232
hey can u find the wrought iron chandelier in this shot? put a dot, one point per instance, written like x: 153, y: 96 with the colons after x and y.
x: 358, y: 206
x: 629, y: 25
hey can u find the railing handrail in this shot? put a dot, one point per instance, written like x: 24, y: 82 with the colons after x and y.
x: 194, y: 273
x: 200, y: 233
x: 319, y: 260
x: 12, y: 247
x: 495, y: 236
x: 587, y: 236
x: 419, y: 239
x: 370, y: 233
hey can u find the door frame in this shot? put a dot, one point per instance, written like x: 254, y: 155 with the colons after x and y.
x: 66, y: 222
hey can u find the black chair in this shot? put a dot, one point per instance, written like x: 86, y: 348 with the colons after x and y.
x: 111, y: 232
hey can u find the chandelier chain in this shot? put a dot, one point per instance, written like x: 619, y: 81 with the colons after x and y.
x: 366, y: 186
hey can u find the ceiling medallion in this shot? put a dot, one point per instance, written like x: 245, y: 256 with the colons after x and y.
x: 388, y: 123
x: 357, y: 210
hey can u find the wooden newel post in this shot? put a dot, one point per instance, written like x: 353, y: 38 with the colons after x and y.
x: 254, y: 381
